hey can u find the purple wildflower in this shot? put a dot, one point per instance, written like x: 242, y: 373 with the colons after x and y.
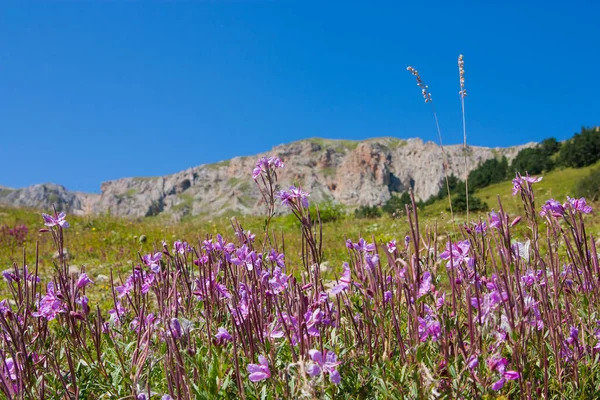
x: 223, y: 336
x: 265, y: 164
x: 50, y: 305
x: 578, y: 205
x: 387, y: 296
x: 344, y: 281
x: 552, y: 208
x: 278, y: 282
x: 312, y: 319
x: 391, y: 246
x: 175, y: 327
x: 57, y: 219
x: 319, y: 366
x: 152, y: 261
x: 456, y: 253
x: 495, y: 220
x: 425, y: 285
x: 259, y: 371
x: 518, y: 181
x: 83, y: 281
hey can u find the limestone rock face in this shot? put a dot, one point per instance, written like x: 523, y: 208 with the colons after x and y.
x: 353, y: 173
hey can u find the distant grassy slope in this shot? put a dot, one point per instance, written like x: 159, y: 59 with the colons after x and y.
x: 556, y: 184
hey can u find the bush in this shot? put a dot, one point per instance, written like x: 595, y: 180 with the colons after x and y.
x: 329, y: 211
x: 367, y: 212
x: 589, y: 187
x: 397, y: 203
x: 491, y: 171
x: 459, y: 203
x: 582, y: 149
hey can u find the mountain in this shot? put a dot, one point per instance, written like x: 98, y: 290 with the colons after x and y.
x: 353, y: 173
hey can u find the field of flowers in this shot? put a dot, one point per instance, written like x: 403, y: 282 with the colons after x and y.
x: 478, y: 313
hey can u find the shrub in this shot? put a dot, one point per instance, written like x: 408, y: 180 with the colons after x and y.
x: 459, y: 203
x: 396, y: 204
x: 582, y: 149
x: 367, y: 212
x: 589, y: 186
x: 329, y: 211
x: 489, y: 172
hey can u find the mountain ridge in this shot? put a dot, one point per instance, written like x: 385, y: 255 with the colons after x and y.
x: 351, y: 172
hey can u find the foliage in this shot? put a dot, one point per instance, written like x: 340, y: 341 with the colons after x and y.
x: 367, y: 212
x: 536, y: 160
x: 459, y: 203
x: 582, y: 149
x: 489, y: 172
x: 329, y: 211
x: 397, y: 204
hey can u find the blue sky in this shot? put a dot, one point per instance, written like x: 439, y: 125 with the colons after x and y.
x: 92, y: 91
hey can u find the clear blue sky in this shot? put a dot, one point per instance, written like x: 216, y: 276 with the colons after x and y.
x: 92, y: 91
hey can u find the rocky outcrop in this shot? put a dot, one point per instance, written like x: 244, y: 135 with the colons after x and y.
x: 350, y: 172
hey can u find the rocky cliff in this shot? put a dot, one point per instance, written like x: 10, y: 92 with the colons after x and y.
x: 350, y: 172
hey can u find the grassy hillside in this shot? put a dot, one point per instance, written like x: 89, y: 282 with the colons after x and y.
x: 102, y: 243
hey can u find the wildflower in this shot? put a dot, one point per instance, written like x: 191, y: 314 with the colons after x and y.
x: 578, y: 205
x: 387, y: 296
x: 117, y: 312
x: 290, y: 198
x: 552, y: 208
x: 372, y: 260
x: 319, y: 366
x: 223, y: 336
x: 266, y: 164
x: 181, y: 247
x: 83, y: 281
x: 259, y: 371
x: 573, y: 335
x: 425, y: 285
x: 473, y: 362
x: 57, y: 219
x: 456, y: 253
x: 175, y: 327
x: 277, y: 258
x: 344, y: 281
x: 278, y: 282
x: 391, y: 246
x: 83, y: 302
x: 518, y: 181
x: 480, y: 227
x: 50, y: 305
x: 429, y: 326
x: 495, y: 220
x: 312, y: 319
x: 152, y: 261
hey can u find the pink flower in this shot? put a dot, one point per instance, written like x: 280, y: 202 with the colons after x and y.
x: 223, y: 336
x: 425, y: 285
x: 260, y: 371
x: 578, y: 205
x: 344, y: 281
x: 521, y: 180
x: 58, y: 219
x: 391, y: 246
x: 266, y: 164
x: 152, y: 261
x: 552, y: 208
x: 319, y: 366
x: 456, y: 253
x: 83, y: 281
